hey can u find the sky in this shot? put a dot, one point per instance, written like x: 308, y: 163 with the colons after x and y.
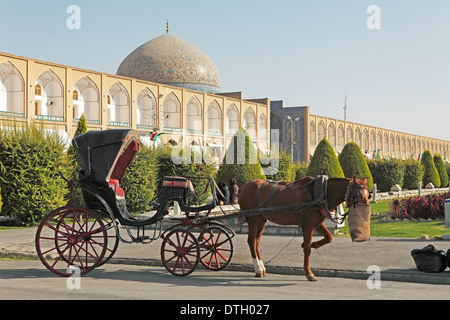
x: 304, y: 52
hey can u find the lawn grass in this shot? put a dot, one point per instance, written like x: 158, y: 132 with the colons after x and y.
x: 379, y: 227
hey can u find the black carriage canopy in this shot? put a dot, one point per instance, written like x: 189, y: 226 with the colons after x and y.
x: 105, y: 155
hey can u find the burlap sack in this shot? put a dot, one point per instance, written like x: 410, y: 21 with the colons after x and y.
x: 359, y: 223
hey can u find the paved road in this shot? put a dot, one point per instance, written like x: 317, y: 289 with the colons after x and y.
x: 29, y: 280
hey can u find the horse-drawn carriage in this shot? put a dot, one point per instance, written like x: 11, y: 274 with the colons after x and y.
x: 88, y: 236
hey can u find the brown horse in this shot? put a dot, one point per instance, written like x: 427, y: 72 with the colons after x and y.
x: 357, y: 192
x: 308, y: 218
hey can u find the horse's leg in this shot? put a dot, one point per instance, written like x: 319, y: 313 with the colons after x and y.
x: 307, y: 240
x: 253, y: 224
x: 259, y: 233
x: 327, y: 237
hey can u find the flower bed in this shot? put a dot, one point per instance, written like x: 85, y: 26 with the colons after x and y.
x: 425, y: 207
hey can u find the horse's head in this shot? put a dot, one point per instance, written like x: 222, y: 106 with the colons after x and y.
x: 357, y: 192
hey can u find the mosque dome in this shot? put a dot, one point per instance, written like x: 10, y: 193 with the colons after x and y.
x: 170, y: 60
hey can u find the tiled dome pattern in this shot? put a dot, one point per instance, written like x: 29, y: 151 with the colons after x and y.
x: 171, y: 60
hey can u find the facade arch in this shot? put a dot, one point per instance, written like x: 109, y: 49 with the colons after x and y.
x: 118, y: 106
x: 358, y: 137
x: 321, y: 131
x: 49, y: 104
x: 349, y: 135
x: 250, y: 122
x: 214, y: 119
x: 332, y: 134
x: 12, y: 91
x: 86, y: 100
x: 341, y: 136
x: 262, y: 127
x: 312, y: 132
x: 194, y: 113
x: 172, y: 113
x: 232, y: 120
x: 146, y: 110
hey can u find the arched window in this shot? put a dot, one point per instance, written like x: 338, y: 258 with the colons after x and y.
x: 38, y: 90
x: 75, y: 95
x: 332, y: 134
x: 321, y: 131
x: 118, y: 106
x: 312, y: 132
x: 194, y: 116
x: 232, y: 118
x: 263, y: 127
x: 250, y: 122
x: 172, y: 113
x: 146, y: 110
x: 214, y: 119
x: 341, y: 137
x: 349, y: 135
x: 12, y: 90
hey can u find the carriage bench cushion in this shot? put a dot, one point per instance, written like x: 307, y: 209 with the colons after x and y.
x: 177, y: 182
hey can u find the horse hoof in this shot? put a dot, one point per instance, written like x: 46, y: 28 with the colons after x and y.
x: 311, y: 277
x: 259, y: 275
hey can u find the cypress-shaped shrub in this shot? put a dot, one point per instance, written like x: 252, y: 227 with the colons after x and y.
x: 30, y: 159
x: 412, y: 175
x: 353, y: 163
x: 300, y: 170
x: 430, y: 173
x: 443, y: 176
x: 139, y: 181
x: 324, y: 162
x: 386, y: 173
x: 241, y: 161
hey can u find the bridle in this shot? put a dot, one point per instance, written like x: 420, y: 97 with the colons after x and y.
x: 354, y: 193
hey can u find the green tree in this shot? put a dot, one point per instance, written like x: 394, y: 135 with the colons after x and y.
x: 324, y: 162
x: 430, y: 173
x: 75, y: 196
x: 413, y: 174
x: 139, y: 181
x: 443, y: 176
x: 241, y: 161
x: 386, y: 173
x: 285, y: 169
x: 353, y: 163
x: 30, y: 159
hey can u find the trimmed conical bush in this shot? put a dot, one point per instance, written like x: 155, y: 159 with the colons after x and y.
x: 430, y: 173
x: 439, y: 164
x: 241, y: 161
x: 353, y: 163
x: 324, y: 162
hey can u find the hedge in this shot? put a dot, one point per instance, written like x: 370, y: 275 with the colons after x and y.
x: 386, y: 173
x: 30, y: 159
x: 443, y: 176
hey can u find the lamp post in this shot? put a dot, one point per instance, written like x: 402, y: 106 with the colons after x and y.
x: 291, y: 125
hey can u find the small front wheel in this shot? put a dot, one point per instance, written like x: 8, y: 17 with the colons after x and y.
x: 180, y: 252
x: 217, y: 248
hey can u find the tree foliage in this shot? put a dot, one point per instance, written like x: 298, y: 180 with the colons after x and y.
x: 353, y: 163
x: 430, y: 173
x: 324, y: 162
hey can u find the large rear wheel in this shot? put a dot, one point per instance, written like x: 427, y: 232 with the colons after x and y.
x: 71, y: 240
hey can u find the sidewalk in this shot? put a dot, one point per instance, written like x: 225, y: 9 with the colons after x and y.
x: 341, y: 258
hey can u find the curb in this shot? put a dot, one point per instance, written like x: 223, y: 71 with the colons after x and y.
x: 411, y: 275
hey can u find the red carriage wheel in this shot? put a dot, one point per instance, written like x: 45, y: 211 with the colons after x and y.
x: 71, y: 239
x: 180, y: 252
x: 216, y: 248
x: 113, y: 239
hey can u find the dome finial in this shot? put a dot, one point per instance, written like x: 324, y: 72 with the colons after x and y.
x: 167, y: 26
